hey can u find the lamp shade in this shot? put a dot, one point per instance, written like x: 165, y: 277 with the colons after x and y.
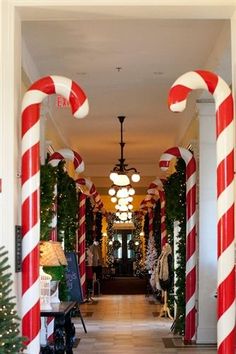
x: 122, y: 193
x: 112, y: 191
x: 135, y: 177
x: 121, y: 180
x: 52, y: 254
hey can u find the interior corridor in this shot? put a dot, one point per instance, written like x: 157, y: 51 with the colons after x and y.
x: 128, y: 324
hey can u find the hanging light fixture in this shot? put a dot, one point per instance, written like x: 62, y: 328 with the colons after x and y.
x: 120, y: 173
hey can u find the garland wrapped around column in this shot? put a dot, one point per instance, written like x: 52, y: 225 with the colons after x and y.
x: 67, y: 209
x: 138, y: 245
x: 48, y: 175
x: 111, y: 217
x: 157, y: 226
x: 98, y: 226
x: 176, y: 211
x: 89, y: 222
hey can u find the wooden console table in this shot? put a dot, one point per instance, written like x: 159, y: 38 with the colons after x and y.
x: 64, y: 330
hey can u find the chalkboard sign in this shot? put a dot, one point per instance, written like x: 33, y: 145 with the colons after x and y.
x: 73, y: 278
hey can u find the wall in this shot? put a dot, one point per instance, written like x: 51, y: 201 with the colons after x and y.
x: 192, y: 133
x: 10, y: 32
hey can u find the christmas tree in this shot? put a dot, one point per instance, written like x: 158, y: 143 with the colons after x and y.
x: 10, y: 340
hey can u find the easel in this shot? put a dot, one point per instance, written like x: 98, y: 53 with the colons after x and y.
x: 165, y: 311
x: 78, y: 313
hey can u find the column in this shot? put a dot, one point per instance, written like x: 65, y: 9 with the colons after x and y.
x: 207, y: 262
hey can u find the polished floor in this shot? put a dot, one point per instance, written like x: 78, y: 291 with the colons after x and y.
x: 128, y: 324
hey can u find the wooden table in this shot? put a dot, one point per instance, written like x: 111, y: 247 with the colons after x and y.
x: 64, y: 330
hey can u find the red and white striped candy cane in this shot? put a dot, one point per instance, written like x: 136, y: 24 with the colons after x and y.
x: 82, y: 231
x: 30, y: 194
x: 225, y: 193
x: 54, y: 159
x: 82, y: 242
x: 157, y: 187
x: 191, y: 255
x: 91, y: 192
x: 67, y: 154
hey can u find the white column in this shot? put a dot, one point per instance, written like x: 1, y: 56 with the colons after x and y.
x: 10, y: 84
x: 207, y: 270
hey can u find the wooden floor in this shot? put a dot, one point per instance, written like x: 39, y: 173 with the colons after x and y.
x: 127, y: 324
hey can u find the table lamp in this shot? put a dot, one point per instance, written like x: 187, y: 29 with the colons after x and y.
x: 51, y: 255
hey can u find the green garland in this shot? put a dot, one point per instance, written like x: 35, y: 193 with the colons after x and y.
x: 89, y: 217
x: 48, y: 175
x: 111, y: 217
x: 175, y: 191
x: 98, y: 226
x: 139, y: 261
x: 67, y: 208
x: 157, y: 226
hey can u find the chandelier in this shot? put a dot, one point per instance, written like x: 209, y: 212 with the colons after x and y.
x: 121, y: 190
x: 120, y: 173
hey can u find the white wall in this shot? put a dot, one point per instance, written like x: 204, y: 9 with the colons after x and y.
x: 10, y: 123
x: 207, y: 276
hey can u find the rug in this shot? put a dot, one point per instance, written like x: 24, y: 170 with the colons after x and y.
x: 123, y: 286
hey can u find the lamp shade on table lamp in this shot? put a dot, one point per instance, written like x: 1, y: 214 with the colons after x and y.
x: 51, y: 255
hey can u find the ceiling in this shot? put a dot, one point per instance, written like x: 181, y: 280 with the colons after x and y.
x: 151, y: 54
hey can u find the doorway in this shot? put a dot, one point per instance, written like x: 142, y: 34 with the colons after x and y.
x: 124, y: 256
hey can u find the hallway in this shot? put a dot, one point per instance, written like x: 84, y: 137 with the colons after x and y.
x: 127, y: 324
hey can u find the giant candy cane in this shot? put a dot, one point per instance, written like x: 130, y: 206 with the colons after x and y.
x: 82, y: 242
x: 190, y: 289
x: 54, y: 159
x: 91, y: 191
x: 225, y: 193
x: 30, y: 194
x: 156, y: 187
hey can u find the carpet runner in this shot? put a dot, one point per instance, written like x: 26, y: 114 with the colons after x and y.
x: 123, y: 286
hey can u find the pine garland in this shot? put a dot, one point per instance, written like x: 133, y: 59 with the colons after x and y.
x: 47, y: 182
x: 98, y: 226
x: 10, y: 340
x: 139, y: 261
x: 157, y: 226
x: 89, y: 222
x: 111, y: 217
x: 67, y: 208
x: 175, y: 190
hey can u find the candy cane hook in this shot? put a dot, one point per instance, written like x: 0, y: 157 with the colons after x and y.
x: 67, y: 154
x: 225, y: 193
x: 91, y: 191
x: 191, y: 255
x: 30, y: 194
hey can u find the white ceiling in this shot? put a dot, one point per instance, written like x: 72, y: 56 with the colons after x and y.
x: 152, y: 54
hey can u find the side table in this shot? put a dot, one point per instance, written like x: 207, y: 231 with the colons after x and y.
x: 64, y: 330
